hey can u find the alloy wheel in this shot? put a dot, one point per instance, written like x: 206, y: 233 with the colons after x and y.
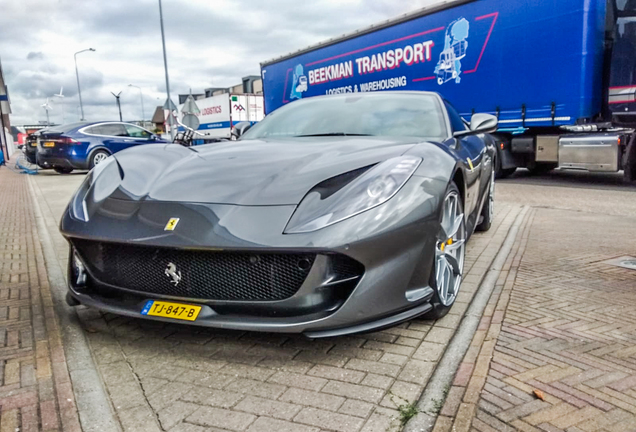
x: 99, y: 158
x: 450, y: 250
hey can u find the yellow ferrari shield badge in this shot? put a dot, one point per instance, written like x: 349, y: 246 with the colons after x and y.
x: 172, y: 224
x: 470, y: 164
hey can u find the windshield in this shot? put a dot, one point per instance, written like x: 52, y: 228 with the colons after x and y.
x: 377, y: 114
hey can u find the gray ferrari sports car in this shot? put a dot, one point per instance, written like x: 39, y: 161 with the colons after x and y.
x: 334, y: 215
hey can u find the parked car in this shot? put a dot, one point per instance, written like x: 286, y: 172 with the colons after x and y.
x: 31, y: 147
x: 334, y: 215
x: 84, y: 145
x: 19, y: 135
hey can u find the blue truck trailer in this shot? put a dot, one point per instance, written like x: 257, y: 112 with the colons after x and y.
x: 559, y: 75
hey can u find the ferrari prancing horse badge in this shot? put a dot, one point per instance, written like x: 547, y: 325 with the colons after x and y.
x: 172, y: 224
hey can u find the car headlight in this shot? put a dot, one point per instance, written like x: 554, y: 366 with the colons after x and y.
x: 110, y: 176
x: 322, y: 207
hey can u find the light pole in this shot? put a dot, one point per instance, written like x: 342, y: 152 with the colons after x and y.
x: 61, y: 96
x: 79, y: 90
x: 169, y: 104
x: 141, y: 97
x: 118, y: 104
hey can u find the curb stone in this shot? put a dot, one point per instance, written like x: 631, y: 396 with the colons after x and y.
x: 93, y: 404
x: 436, y: 391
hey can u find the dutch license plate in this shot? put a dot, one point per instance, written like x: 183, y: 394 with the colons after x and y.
x: 48, y: 144
x: 178, y: 311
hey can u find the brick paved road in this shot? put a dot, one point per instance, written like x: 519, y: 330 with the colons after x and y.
x: 182, y: 378
x: 35, y: 389
x: 185, y: 379
x: 560, y: 321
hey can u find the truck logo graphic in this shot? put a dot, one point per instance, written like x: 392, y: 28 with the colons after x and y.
x: 299, y: 84
x: 455, y: 45
x: 238, y: 107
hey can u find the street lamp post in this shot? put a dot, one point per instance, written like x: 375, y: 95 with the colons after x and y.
x: 141, y: 97
x: 79, y: 90
x: 165, y: 65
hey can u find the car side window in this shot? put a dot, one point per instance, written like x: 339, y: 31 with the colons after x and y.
x: 95, y: 130
x: 457, y: 123
x: 137, y: 132
x: 113, y: 129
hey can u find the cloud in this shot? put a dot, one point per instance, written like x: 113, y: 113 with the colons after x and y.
x: 209, y: 44
x: 35, y: 55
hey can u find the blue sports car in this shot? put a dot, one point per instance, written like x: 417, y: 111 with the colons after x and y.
x: 84, y: 145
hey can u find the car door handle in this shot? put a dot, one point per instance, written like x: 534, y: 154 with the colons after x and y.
x: 129, y: 140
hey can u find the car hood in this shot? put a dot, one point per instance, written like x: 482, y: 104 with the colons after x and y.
x: 251, y: 172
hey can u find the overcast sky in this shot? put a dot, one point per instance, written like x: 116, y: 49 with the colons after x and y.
x: 210, y: 43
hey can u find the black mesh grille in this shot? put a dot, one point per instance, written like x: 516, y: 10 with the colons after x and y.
x: 211, y: 275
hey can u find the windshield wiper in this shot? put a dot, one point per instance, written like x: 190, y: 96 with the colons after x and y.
x: 331, y: 134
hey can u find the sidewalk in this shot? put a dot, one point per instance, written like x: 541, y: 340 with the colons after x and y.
x: 562, y: 321
x: 35, y: 392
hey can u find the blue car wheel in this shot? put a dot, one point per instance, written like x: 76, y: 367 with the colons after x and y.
x: 98, y: 157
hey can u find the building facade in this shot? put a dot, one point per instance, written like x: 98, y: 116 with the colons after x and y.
x: 6, y: 143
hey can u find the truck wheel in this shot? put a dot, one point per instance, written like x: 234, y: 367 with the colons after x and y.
x: 506, y: 173
x: 629, y: 159
x: 501, y: 173
x: 541, y: 168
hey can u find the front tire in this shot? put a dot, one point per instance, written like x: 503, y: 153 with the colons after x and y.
x: 449, y: 254
x: 63, y: 170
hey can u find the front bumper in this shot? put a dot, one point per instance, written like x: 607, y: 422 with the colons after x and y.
x: 393, y: 243
x: 313, y: 327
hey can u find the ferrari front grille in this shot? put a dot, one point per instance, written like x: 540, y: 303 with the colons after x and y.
x: 200, y: 274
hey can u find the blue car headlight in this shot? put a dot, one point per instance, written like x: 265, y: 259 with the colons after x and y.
x: 322, y: 206
x: 99, y: 184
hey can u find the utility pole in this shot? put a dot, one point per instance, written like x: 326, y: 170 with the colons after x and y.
x: 169, y: 104
x: 79, y: 90
x: 118, y: 104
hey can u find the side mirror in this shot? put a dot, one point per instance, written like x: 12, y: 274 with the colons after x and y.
x: 240, y: 128
x: 480, y: 123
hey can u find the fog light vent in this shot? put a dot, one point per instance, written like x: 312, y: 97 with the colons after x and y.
x: 79, y: 271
